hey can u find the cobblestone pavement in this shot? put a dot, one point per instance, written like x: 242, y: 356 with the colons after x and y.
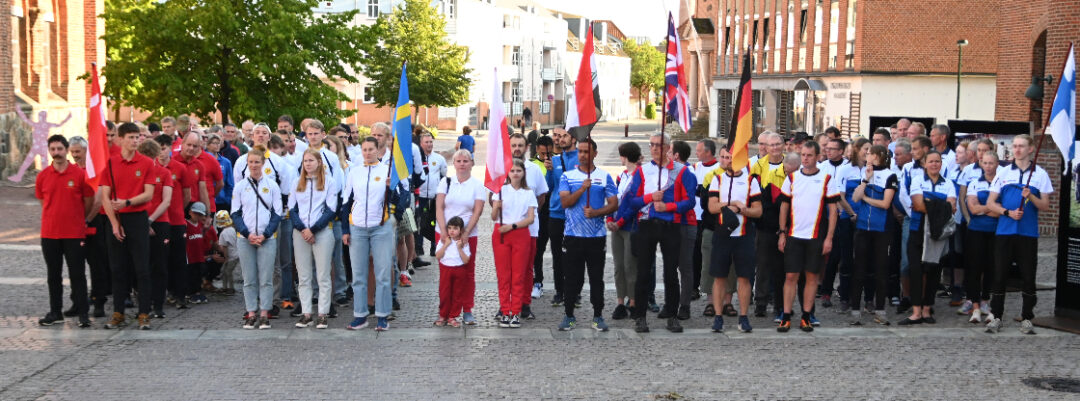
x: 201, y: 353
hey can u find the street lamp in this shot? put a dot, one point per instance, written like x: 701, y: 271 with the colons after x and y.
x: 959, y: 63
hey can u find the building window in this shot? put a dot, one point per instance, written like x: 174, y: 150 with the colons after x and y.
x: 369, y: 95
x: 451, y: 9
x: 515, y: 56
x: 373, y: 8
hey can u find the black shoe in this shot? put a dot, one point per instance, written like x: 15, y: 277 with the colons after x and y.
x: 342, y: 301
x: 929, y: 320
x: 620, y: 312
x: 557, y: 300
x: 905, y: 305
x: 710, y: 311
x: 908, y: 322
x: 527, y: 313
x: 653, y: 307
x: 158, y: 314
x: 665, y: 313
x: 760, y: 309
x: 71, y: 312
x: 297, y: 311
x: 99, y: 310
x: 695, y: 296
x: 274, y: 312
x: 50, y: 319
x: 729, y: 310
x: 84, y: 321
x: 826, y: 301
x: 640, y: 325
x: 684, y: 312
x: 420, y: 262
x: 396, y: 306
x: 333, y: 312
x: 674, y: 326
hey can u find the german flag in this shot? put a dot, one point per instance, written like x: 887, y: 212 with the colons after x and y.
x: 742, y: 121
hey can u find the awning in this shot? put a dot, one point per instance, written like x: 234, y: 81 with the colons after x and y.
x: 809, y: 84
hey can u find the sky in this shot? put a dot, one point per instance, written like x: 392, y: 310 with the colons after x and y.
x: 633, y: 17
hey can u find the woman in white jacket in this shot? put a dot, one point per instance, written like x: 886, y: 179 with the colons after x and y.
x: 312, y: 208
x: 256, y: 213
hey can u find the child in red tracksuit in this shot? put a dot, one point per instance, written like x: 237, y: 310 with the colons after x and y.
x: 197, y: 249
x: 514, y: 210
x: 452, y: 273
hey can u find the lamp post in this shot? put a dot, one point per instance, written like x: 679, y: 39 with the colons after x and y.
x: 959, y: 63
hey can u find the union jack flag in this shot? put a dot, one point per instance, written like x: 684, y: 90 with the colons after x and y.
x: 678, y: 101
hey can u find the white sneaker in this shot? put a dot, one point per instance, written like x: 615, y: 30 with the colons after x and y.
x: 985, y: 307
x: 993, y: 324
x: 538, y: 290
x: 976, y: 316
x: 1026, y: 327
x: 966, y: 308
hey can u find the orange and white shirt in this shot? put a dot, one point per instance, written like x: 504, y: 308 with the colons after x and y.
x: 808, y: 197
x: 744, y: 188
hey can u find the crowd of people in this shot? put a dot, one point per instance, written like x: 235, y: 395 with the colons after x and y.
x: 315, y: 222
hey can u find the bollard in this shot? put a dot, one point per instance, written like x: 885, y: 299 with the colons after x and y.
x: 626, y: 131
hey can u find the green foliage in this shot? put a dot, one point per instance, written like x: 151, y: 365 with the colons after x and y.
x: 650, y: 111
x: 415, y: 32
x: 646, y: 67
x: 246, y: 59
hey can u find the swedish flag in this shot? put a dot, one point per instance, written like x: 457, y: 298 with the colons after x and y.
x: 401, y: 130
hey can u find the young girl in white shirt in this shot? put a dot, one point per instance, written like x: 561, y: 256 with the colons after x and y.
x: 453, y: 275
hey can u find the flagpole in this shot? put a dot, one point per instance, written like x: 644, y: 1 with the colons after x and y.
x: 663, y: 106
x: 1047, y: 124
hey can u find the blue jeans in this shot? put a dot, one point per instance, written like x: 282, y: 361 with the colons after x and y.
x: 257, y: 266
x: 339, y: 266
x: 377, y: 242
x: 285, y: 260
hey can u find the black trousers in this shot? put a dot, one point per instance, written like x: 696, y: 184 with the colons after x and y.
x: 1022, y: 250
x: 159, y: 263
x: 541, y: 246
x: 840, y: 260
x: 130, y: 260
x: 697, y: 256
x: 924, y: 277
x: 97, y: 256
x: 979, y: 272
x: 650, y: 234
x: 425, y: 211
x: 177, y: 261
x: 55, y: 252
x: 871, y: 253
x: 584, y: 254
x: 556, y: 227
x: 895, y: 249
x: 193, y: 274
x: 770, y: 270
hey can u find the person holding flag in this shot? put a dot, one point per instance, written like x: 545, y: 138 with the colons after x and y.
x: 676, y: 99
x: 586, y: 234
x: 401, y: 170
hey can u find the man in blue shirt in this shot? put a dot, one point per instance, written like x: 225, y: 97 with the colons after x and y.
x: 1018, y: 193
x: 586, y: 234
x: 466, y: 141
x: 566, y: 161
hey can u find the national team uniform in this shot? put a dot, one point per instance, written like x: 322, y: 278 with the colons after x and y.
x: 1017, y: 241
x: 809, y: 198
x: 63, y: 197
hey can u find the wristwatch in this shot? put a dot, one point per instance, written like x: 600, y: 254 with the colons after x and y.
x: 513, y: 226
x: 127, y: 202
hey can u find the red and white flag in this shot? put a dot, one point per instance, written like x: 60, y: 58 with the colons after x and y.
x: 498, y: 160
x: 586, y: 93
x: 98, y: 153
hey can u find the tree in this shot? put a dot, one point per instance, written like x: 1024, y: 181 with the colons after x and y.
x: 242, y: 58
x: 415, y: 33
x: 646, y: 68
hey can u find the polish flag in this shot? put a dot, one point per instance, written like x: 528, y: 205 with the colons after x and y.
x: 98, y: 153
x: 498, y: 160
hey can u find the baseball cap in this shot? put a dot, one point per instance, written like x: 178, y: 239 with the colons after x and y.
x: 198, y: 207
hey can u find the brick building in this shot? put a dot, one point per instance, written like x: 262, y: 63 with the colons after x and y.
x: 1034, y: 41
x: 45, y: 45
x: 820, y: 63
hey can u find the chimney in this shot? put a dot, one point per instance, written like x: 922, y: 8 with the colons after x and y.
x: 603, y: 33
x: 582, y: 29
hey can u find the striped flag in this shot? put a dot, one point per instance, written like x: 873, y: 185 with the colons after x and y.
x: 401, y: 131
x: 498, y: 160
x: 1062, y: 125
x: 738, y: 138
x: 98, y: 153
x: 678, y: 101
x: 586, y: 93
